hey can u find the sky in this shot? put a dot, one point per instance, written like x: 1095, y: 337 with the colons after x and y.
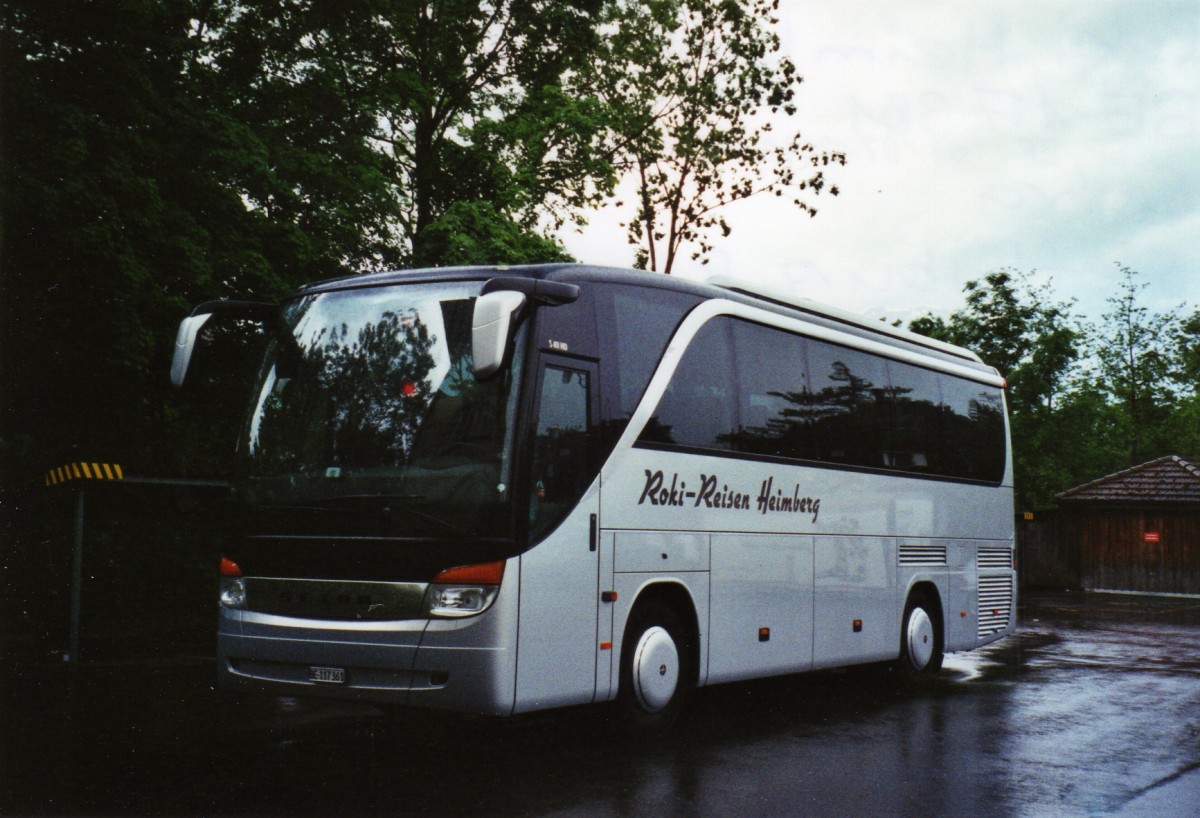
x: 1059, y: 137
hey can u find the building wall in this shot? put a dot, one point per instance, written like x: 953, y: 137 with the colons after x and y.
x: 1113, y: 553
x: 1097, y: 548
x: 1044, y: 560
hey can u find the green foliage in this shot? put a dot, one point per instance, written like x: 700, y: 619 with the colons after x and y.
x: 477, y: 109
x: 170, y: 153
x: 1083, y: 401
x: 1135, y: 360
x: 157, y: 163
x: 1183, y: 426
x: 1187, y: 348
x: 474, y: 233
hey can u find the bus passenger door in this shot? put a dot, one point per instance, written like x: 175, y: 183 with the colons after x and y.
x: 556, y: 652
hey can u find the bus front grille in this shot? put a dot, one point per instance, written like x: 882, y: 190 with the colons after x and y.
x: 335, y: 599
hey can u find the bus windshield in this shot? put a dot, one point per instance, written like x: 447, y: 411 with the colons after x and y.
x: 369, y: 410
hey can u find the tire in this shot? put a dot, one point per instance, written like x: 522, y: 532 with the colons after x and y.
x: 657, y: 669
x: 921, y: 648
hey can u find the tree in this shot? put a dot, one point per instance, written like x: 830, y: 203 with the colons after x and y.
x: 153, y: 158
x: 696, y: 90
x: 489, y: 138
x: 1183, y: 427
x: 1135, y: 350
x: 1187, y: 353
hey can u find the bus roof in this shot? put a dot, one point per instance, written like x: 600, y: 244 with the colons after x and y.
x: 774, y: 300
x: 844, y: 316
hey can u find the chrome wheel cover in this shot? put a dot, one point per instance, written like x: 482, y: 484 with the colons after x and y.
x: 655, y: 669
x: 920, y: 638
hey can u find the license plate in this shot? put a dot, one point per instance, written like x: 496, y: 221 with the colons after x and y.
x: 327, y: 675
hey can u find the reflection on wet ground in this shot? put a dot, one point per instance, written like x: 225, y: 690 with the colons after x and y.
x: 1092, y: 703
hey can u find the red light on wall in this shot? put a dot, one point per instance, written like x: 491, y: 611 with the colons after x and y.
x: 1151, y: 536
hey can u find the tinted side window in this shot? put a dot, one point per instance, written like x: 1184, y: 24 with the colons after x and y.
x: 635, y: 323
x: 802, y: 399
x: 851, y: 405
x: 916, y: 443
x: 699, y: 407
x: 973, y: 429
x: 774, y: 396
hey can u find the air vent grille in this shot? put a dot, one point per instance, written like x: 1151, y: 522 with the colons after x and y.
x: 991, y: 558
x: 995, y: 604
x: 922, y: 555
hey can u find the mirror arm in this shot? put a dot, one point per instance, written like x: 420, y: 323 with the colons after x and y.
x: 539, y: 291
x: 244, y: 310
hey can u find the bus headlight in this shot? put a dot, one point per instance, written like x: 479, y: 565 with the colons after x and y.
x: 233, y: 585
x: 233, y: 592
x: 460, y: 600
x: 464, y: 591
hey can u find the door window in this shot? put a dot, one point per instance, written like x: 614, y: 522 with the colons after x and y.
x: 561, y: 458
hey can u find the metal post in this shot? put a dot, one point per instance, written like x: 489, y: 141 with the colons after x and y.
x: 72, y: 654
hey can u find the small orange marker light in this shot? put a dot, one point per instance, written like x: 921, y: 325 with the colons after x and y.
x: 606, y: 646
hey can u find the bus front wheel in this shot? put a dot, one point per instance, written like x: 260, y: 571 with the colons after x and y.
x: 655, y: 667
x: 921, y: 650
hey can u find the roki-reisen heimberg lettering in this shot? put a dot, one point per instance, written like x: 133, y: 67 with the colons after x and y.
x: 712, y: 493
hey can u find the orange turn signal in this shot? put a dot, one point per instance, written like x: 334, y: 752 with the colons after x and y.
x: 484, y: 573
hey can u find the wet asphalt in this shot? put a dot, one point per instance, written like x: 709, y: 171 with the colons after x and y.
x: 1092, y: 708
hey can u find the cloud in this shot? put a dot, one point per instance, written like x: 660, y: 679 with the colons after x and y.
x: 1061, y: 136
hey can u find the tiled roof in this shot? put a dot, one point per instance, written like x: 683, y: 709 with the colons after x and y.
x: 1166, y: 480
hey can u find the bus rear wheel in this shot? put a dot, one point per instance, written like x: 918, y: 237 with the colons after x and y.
x: 655, y: 667
x: 921, y: 650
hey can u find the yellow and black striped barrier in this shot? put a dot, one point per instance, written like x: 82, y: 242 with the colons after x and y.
x: 84, y: 471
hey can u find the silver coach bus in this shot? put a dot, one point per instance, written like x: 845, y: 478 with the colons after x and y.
x: 500, y: 490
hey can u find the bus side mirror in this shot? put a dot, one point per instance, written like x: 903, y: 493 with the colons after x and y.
x: 189, y: 328
x: 185, y: 345
x: 492, y: 327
